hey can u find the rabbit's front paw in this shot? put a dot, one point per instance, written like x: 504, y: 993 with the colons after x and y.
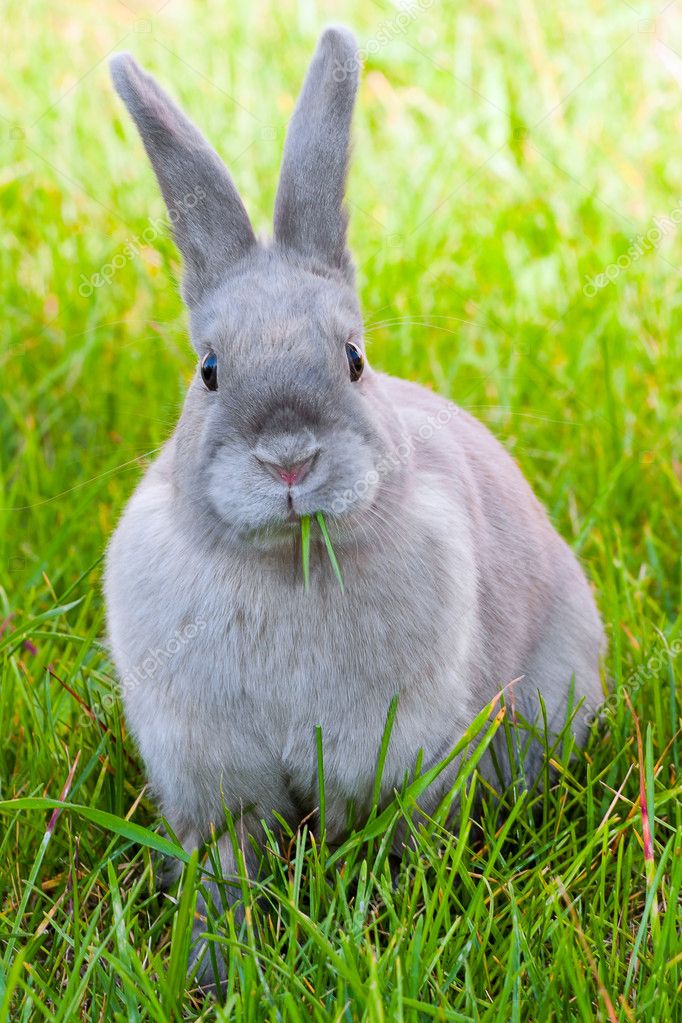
x: 207, y: 967
x: 167, y: 870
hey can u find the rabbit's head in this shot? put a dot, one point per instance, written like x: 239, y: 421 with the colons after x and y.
x: 282, y: 418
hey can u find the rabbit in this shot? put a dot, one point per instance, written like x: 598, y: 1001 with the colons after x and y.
x: 455, y: 582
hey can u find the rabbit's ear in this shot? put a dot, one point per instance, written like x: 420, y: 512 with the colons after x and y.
x: 210, y: 225
x: 309, y: 212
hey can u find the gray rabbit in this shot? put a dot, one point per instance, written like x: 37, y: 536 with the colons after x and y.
x: 456, y: 583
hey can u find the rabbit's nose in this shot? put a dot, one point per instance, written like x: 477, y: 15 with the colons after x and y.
x: 289, y: 473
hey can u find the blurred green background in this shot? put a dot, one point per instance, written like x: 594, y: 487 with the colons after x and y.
x: 503, y: 156
x: 506, y: 155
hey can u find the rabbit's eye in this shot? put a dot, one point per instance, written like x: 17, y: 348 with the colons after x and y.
x: 209, y: 371
x: 356, y: 360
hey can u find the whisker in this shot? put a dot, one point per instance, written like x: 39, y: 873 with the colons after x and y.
x: 84, y: 483
x: 422, y: 323
x: 523, y: 415
x: 416, y: 316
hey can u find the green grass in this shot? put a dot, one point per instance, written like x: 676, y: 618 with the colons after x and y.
x: 305, y: 548
x: 505, y: 153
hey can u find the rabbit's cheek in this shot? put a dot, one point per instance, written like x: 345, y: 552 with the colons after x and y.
x: 237, y: 492
x: 352, y: 483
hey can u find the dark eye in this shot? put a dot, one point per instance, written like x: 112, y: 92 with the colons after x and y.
x: 209, y: 371
x: 356, y: 360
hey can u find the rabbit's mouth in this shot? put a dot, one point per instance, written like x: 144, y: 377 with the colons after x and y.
x: 278, y: 539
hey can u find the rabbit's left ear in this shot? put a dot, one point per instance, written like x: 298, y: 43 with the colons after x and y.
x: 309, y: 212
x: 210, y: 225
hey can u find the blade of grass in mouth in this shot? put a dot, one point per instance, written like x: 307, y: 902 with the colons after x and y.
x: 330, y: 550
x: 305, y: 549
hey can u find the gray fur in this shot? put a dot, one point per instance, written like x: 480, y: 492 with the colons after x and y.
x: 309, y: 214
x: 211, y: 225
x: 455, y: 581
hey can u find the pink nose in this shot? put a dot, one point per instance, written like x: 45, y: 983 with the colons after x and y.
x: 290, y: 474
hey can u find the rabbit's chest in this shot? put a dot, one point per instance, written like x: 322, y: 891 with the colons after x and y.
x: 267, y: 664
x: 227, y: 669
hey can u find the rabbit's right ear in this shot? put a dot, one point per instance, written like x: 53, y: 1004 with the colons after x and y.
x: 210, y: 224
x: 309, y: 212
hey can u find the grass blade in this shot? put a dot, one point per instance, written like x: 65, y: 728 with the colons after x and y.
x: 305, y: 549
x: 103, y: 819
x: 330, y: 550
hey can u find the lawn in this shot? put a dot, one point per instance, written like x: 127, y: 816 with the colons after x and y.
x: 515, y: 201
